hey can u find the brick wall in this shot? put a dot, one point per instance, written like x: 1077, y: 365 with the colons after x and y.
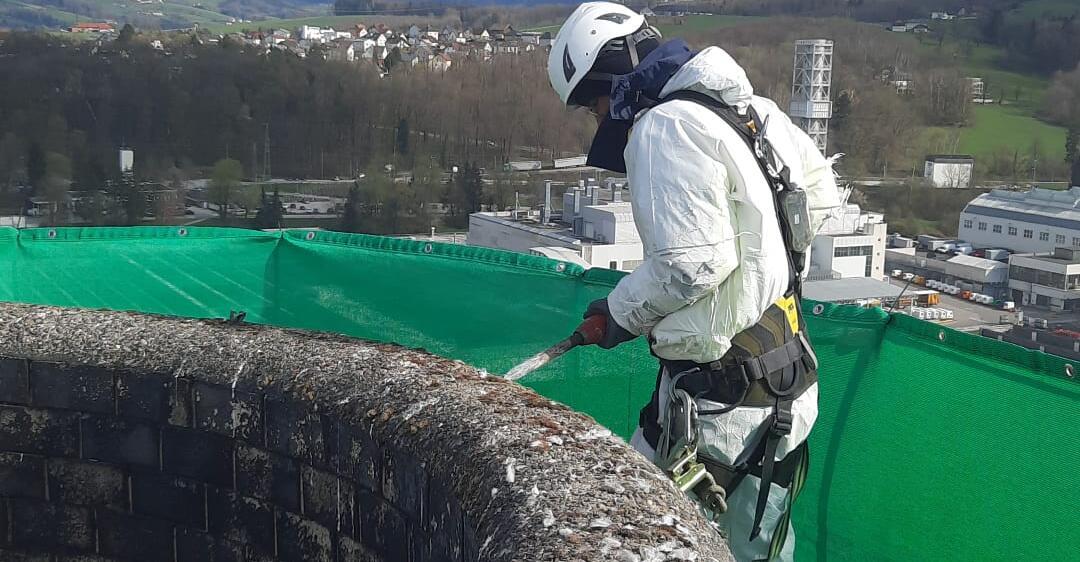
x: 133, y: 437
x: 134, y: 466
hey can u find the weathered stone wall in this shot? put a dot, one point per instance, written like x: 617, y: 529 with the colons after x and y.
x: 131, y: 437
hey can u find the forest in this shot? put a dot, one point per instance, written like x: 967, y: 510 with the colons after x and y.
x: 66, y: 107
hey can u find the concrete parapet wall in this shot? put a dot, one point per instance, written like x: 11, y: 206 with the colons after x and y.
x: 133, y: 437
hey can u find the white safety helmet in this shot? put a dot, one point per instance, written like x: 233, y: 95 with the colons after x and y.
x: 584, y: 34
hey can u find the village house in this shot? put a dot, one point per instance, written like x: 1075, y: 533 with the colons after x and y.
x: 91, y: 27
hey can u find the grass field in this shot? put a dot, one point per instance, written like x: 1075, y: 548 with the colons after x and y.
x: 1013, y: 126
x: 691, y: 24
x: 340, y: 23
x: 997, y: 126
x: 1043, y: 8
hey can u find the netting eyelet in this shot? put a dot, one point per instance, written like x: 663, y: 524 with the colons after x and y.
x: 941, y: 335
x: 52, y: 233
x: 1069, y: 372
x: 182, y: 232
x: 560, y: 267
x: 310, y: 235
x: 428, y: 248
x: 818, y: 309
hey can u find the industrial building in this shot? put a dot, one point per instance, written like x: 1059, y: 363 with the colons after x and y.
x: 849, y: 244
x: 595, y: 229
x: 1048, y: 281
x: 979, y: 275
x: 949, y: 171
x: 1035, y: 221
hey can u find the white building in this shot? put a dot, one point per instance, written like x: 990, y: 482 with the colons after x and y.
x: 1034, y: 221
x: 1050, y: 281
x: 849, y: 244
x: 952, y: 171
x: 593, y: 232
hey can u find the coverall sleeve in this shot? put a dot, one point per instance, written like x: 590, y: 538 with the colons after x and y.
x: 679, y: 195
x: 822, y: 194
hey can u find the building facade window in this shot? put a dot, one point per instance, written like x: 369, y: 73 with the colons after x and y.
x: 1012, y: 231
x: 967, y: 223
x: 997, y: 229
x: 847, y: 251
x: 1037, y: 276
x: 1076, y: 240
x: 869, y: 268
x: 1044, y: 236
x: 1059, y: 238
x: 982, y: 226
x: 1028, y: 233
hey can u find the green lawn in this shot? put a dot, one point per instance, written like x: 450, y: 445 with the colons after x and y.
x: 998, y: 125
x: 1034, y: 9
x: 1012, y: 126
x: 697, y: 24
x: 690, y: 25
x: 1006, y: 127
x: 61, y: 15
x: 337, y: 22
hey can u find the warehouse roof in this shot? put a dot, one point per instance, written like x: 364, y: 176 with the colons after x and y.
x: 850, y: 289
x: 981, y: 263
x: 1040, y: 206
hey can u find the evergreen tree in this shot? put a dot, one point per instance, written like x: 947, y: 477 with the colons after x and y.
x: 403, y: 137
x: 350, y: 219
x: 35, y: 167
x: 270, y: 214
x: 127, y: 33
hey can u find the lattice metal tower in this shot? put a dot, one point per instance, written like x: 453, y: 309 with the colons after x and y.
x: 811, y: 89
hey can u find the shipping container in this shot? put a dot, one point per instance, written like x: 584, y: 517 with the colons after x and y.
x: 523, y: 166
x: 571, y: 162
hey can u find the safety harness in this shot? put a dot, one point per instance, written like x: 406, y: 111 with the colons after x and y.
x: 769, y: 365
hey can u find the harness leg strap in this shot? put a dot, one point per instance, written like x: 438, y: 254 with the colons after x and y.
x: 781, y: 425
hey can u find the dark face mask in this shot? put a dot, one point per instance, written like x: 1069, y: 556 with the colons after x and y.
x: 630, y: 94
x: 609, y: 144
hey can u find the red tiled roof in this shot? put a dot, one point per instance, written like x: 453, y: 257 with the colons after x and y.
x: 92, y: 26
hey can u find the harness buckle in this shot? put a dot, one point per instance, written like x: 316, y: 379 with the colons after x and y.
x: 782, y: 418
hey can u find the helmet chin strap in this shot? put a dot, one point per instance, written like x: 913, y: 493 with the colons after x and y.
x: 631, y: 46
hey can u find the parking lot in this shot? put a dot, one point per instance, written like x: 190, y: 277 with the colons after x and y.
x: 967, y: 315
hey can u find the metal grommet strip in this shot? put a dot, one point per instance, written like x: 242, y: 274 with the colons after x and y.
x: 818, y: 309
x: 310, y: 235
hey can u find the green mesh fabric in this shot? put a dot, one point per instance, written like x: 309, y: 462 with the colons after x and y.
x: 931, y: 444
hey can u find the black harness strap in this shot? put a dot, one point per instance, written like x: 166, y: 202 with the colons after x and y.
x: 784, y: 369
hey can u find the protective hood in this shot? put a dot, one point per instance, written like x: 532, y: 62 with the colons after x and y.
x: 715, y: 73
x: 630, y: 94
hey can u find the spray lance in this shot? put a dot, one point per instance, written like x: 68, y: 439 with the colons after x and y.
x: 589, y: 332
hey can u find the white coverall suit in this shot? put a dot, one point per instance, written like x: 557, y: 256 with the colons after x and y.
x: 715, y: 260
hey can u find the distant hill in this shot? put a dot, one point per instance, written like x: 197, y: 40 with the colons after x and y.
x: 171, y: 14
x: 149, y: 14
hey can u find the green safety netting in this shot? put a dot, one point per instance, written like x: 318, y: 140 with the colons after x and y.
x: 931, y: 444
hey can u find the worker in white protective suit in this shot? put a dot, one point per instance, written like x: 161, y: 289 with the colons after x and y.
x: 726, y: 194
